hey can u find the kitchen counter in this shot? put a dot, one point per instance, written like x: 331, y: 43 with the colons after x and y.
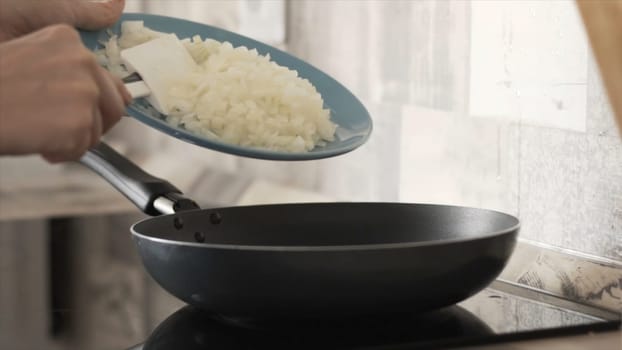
x: 30, y: 188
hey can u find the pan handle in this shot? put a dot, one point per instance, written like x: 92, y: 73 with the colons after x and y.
x: 150, y: 194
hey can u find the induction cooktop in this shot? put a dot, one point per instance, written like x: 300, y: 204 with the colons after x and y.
x: 491, y: 316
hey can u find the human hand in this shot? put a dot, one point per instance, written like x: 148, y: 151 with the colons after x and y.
x: 19, y: 17
x: 55, y: 99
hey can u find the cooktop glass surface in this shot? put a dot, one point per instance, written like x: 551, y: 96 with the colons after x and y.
x: 488, y: 317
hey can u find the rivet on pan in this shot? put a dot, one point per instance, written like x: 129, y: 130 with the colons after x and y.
x: 215, y: 218
x: 178, y: 223
x: 199, y: 237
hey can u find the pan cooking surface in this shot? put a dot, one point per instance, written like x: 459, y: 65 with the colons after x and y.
x: 328, y: 224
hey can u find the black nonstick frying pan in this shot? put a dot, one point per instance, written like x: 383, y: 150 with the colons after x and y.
x: 310, y: 260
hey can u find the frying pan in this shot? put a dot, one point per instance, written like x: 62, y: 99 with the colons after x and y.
x: 328, y: 260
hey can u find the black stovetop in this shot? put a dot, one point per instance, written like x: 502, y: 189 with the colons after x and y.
x: 488, y: 317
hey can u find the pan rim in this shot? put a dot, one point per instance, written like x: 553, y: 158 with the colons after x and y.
x: 333, y: 248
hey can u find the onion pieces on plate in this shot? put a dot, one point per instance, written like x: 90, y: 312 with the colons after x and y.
x: 239, y: 96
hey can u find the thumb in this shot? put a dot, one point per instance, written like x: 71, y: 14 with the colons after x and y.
x: 97, y: 14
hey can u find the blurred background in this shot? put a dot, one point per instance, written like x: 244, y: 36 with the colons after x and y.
x: 493, y: 104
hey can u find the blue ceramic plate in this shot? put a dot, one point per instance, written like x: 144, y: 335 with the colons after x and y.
x: 353, y: 120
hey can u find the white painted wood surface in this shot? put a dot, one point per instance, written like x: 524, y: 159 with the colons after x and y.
x: 410, y: 62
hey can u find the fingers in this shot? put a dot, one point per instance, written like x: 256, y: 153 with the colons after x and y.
x: 53, y: 157
x: 97, y: 128
x: 74, y: 148
x: 106, y: 110
x: 112, y: 98
x: 20, y: 17
x: 127, y: 97
x: 96, y: 14
x: 55, y: 99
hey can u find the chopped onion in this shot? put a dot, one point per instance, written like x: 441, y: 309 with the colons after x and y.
x: 239, y: 96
